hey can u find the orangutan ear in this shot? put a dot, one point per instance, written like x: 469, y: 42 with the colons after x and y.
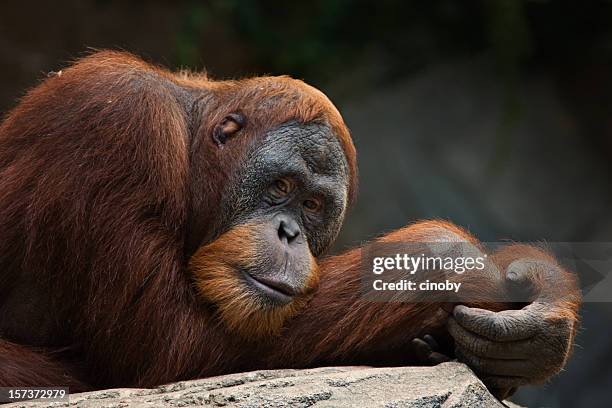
x: 229, y: 126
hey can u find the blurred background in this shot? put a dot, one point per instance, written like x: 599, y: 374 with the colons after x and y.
x: 494, y: 114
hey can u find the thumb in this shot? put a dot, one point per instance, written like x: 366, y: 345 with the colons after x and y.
x: 524, y: 279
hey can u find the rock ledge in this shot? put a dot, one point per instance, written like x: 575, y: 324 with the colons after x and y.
x: 446, y: 385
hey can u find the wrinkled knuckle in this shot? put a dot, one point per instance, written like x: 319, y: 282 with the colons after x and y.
x: 563, y: 327
x: 483, y: 347
x: 558, y: 361
x: 476, y: 346
x: 453, y: 328
x: 500, y: 327
x: 475, y: 363
x: 556, y: 348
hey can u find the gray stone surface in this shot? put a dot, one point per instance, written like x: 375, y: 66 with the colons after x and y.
x: 446, y: 385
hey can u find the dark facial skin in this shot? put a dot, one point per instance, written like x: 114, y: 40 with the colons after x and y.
x: 294, y: 186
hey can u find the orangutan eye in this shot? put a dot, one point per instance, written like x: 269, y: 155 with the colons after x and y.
x: 312, y: 205
x: 281, y: 188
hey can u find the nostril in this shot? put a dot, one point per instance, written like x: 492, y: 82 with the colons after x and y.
x: 288, y: 231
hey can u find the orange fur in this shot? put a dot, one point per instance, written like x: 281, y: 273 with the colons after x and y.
x: 100, y: 171
x: 216, y: 269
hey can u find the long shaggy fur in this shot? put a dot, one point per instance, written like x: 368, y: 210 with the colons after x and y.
x: 101, y: 169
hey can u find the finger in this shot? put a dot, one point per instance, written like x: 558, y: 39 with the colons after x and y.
x: 531, y: 278
x: 484, y: 347
x: 507, y: 325
x: 520, y: 282
x: 425, y: 354
x: 431, y: 341
x: 524, y: 271
x: 422, y: 350
x: 495, y: 367
x: 438, y: 358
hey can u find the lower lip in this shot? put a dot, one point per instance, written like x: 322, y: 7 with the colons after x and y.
x: 270, y: 292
